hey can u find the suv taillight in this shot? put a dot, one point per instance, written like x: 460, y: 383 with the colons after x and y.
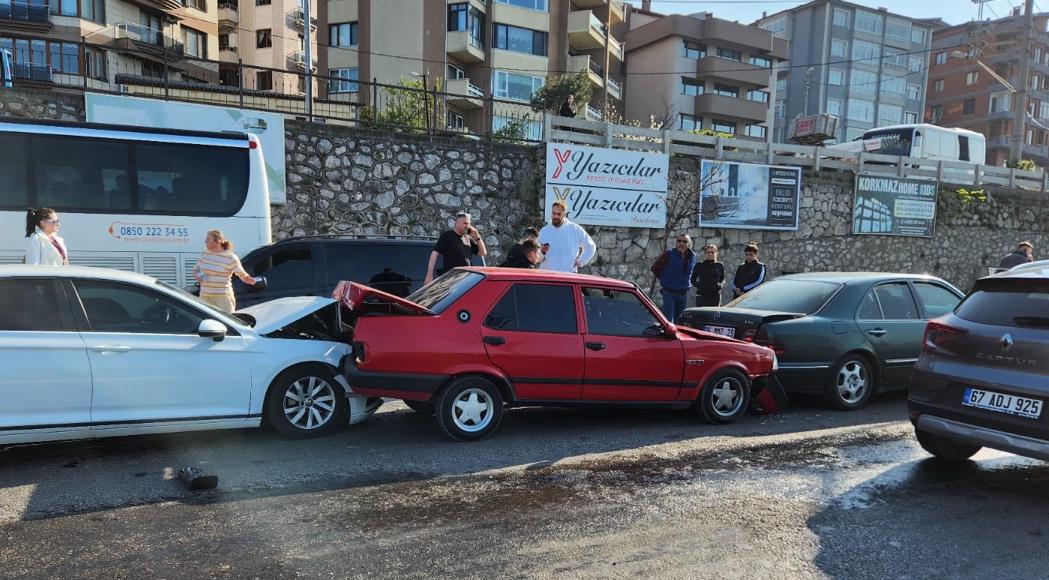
x: 940, y: 335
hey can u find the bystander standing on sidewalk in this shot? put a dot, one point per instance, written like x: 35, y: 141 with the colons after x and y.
x: 45, y: 247
x: 709, y: 278
x: 214, y: 270
x: 528, y: 257
x: 565, y: 244
x: 750, y: 274
x: 456, y: 246
x: 674, y: 268
x: 1023, y: 254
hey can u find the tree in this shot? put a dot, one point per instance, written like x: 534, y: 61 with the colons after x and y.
x: 555, y: 92
x: 409, y: 105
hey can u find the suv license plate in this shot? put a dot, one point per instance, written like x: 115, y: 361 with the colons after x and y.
x: 722, y: 330
x: 1002, y: 403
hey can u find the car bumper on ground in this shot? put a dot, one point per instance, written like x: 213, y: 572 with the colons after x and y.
x: 411, y: 386
x: 984, y: 437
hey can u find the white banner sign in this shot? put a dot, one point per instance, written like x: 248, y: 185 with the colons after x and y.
x: 607, y: 187
x: 268, y: 127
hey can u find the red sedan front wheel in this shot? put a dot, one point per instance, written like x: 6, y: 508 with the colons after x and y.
x: 725, y: 398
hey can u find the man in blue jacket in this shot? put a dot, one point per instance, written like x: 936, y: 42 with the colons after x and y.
x: 674, y: 269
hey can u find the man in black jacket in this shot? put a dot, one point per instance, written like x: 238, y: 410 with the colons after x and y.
x: 1023, y: 254
x: 750, y: 274
x: 527, y: 257
x: 709, y: 278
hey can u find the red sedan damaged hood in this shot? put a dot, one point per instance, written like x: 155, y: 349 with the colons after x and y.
x: 361, y: 299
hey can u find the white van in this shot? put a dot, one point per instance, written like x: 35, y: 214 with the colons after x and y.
x: 922, y: 141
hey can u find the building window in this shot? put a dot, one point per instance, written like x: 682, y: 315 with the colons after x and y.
x: 861, y: 110
x: 866, y: 52
x: 835, y: 107
x: 841, y: 17
x: 776, y: 25
x: 918, y: 35
x: 761, y: 61
x: 196, y: 4
x: 456, y: 121
x: 723, y: 126
x: 540, y: 5
x: 781, y: 108
x: 935, y: 114
x: 93, y: 10
x: 262, y: 2
x: 972, y: 77
x: 917, y: 63
x: 726, y: 91
x: 894, y: 57
x: 689, y: 123
x: 869, y: 22
x: 889, y: 115
x: 518, y: 39
x: 342, y: 34
x: 937, y: 85
x: 65, y: 56
x: 1043, y: 110
x: 695, y: 50
x: 836, y: 77
x: 758, y: 131
x: 863, y: 82
x: 58, y: 7
x: 455, y: 73
x: 1038, y: 53
x: 691, y: 87
x: 264, y: 80
x: 969, y: 107
x: 781, y: 86
x: 839, y: 47
x: 458, y: 17
x: 914, y: 92
x: 898, y: 30
x: 941, y: 58
x: 342, y: 80
x: 893, y: 87
x: 729, y: 54
x: 153, y: 70
x: 195, y: 43
x: 515, y: 86
x: 758, y: 96
x: 910, y: 118
x: 263, y: 38
x: 223, y: 41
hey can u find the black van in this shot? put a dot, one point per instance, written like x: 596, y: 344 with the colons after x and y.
x: 313, y: 265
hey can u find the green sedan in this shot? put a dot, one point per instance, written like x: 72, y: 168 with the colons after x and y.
x: 845, y: 335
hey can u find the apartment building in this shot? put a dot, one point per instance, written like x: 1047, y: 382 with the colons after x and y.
x: 264, y: 41
x: 700, y: 72
x: 962, y: 93
x: 107, y: 41
x: 866, y: 66
x: 475, y: 49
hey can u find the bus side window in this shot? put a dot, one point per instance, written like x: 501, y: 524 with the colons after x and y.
x: 963, y: 148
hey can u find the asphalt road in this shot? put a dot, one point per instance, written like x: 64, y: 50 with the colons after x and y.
x: 810, y: 493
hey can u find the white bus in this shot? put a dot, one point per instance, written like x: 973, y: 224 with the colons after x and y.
x: 132, y: 198
x: 923, y: 141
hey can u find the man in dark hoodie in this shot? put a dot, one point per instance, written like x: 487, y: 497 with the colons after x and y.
x: 750, y: 274
x: 529, y: 256
x: 1023, y: 253
x: 516, y: 254
x: 674, y: 268
x: 709, y: 278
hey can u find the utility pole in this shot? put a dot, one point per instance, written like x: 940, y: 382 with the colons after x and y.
x: 1020, y: 99
x: 307, y: 15
x: 770, y: 114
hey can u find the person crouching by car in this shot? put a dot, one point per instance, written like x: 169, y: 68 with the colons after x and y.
x: 674, y: 269
x: 709, y: 278
x: 528, y: 257
x: 214, y: 269
x: 750, y: 274
x: 516, y: 252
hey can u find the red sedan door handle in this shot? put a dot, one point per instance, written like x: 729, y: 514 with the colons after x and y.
x: 595, y: 345
x: 494, y: 340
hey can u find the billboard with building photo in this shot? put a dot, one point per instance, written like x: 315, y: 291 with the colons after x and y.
x: 749, y: 196
x: 268, y: 127
x: 894, y: 206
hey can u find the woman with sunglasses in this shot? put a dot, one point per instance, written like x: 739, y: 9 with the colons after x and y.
x: 45, y: 247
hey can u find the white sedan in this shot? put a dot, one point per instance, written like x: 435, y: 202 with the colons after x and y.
x: 91, y: 352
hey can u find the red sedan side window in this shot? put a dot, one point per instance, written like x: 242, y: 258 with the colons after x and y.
x: 616, y: 313
x: 535, y: 308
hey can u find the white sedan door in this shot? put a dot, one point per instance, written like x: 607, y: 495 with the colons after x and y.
x: 149, y: 364
x: 45, y: 378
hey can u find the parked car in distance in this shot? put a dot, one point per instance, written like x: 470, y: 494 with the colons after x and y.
x: 843, y: 335
x: 983, y: 376
x: 313, y: 265
x: 92, y: 352
x: 477, y: 339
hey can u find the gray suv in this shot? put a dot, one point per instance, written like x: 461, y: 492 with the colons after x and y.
x: 983, y: 376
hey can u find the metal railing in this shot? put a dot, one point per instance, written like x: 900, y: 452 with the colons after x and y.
x: 24, y: 12
x: 474, y: 90
x: 614, y: 85
x: 597, y: 25
x: 568, y: 130
x: 31, y: 72
x: 593, y: 113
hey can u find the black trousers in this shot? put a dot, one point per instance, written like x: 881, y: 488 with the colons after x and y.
x: 708, y: 299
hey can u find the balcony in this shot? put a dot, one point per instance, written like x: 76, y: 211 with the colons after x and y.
x: 592, y: 114
x: 229, y: 16
x: 31, y: 72
x: 584, y: 62
x: 720, y: 106
x: 146, y: 42
x: 172, y: 8
x: 614, y: 89
x: 23, y: 16
x: 615, y: 48
x: 616, y: 12
x: 465, y: 47
x: 229, y: 54
x: 297, y: 60
x: 465, y: 94
x: 297, y: 18
x: 715, y: 67
x: 585, y: 30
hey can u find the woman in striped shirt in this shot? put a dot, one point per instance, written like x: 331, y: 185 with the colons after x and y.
x: 214, y: 270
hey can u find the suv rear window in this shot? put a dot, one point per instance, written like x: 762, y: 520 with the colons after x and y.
x: 1008, y: 302
x: 801, y: 296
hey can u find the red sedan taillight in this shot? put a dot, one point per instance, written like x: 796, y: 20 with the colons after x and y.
x: 940, y: 335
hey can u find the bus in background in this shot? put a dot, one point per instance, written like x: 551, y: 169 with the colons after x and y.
x: 922, y: 141
x: 6, y: 72
x: 132, y: 198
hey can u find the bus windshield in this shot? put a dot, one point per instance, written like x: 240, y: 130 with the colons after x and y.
x: 890, y: 141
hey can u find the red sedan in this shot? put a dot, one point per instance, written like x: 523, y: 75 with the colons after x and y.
x: 479, y: 339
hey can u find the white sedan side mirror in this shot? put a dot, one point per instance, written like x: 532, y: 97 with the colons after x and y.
x: 210, y: 328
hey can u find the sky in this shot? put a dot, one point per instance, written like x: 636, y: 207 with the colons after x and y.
x: 747, y: 11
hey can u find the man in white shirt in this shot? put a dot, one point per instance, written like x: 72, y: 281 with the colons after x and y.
x: 566, y: 244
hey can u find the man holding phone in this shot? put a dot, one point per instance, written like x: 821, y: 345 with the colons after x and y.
x: 456, y: 246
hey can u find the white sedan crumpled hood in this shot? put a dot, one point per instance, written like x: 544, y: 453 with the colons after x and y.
x: 276, y: 314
